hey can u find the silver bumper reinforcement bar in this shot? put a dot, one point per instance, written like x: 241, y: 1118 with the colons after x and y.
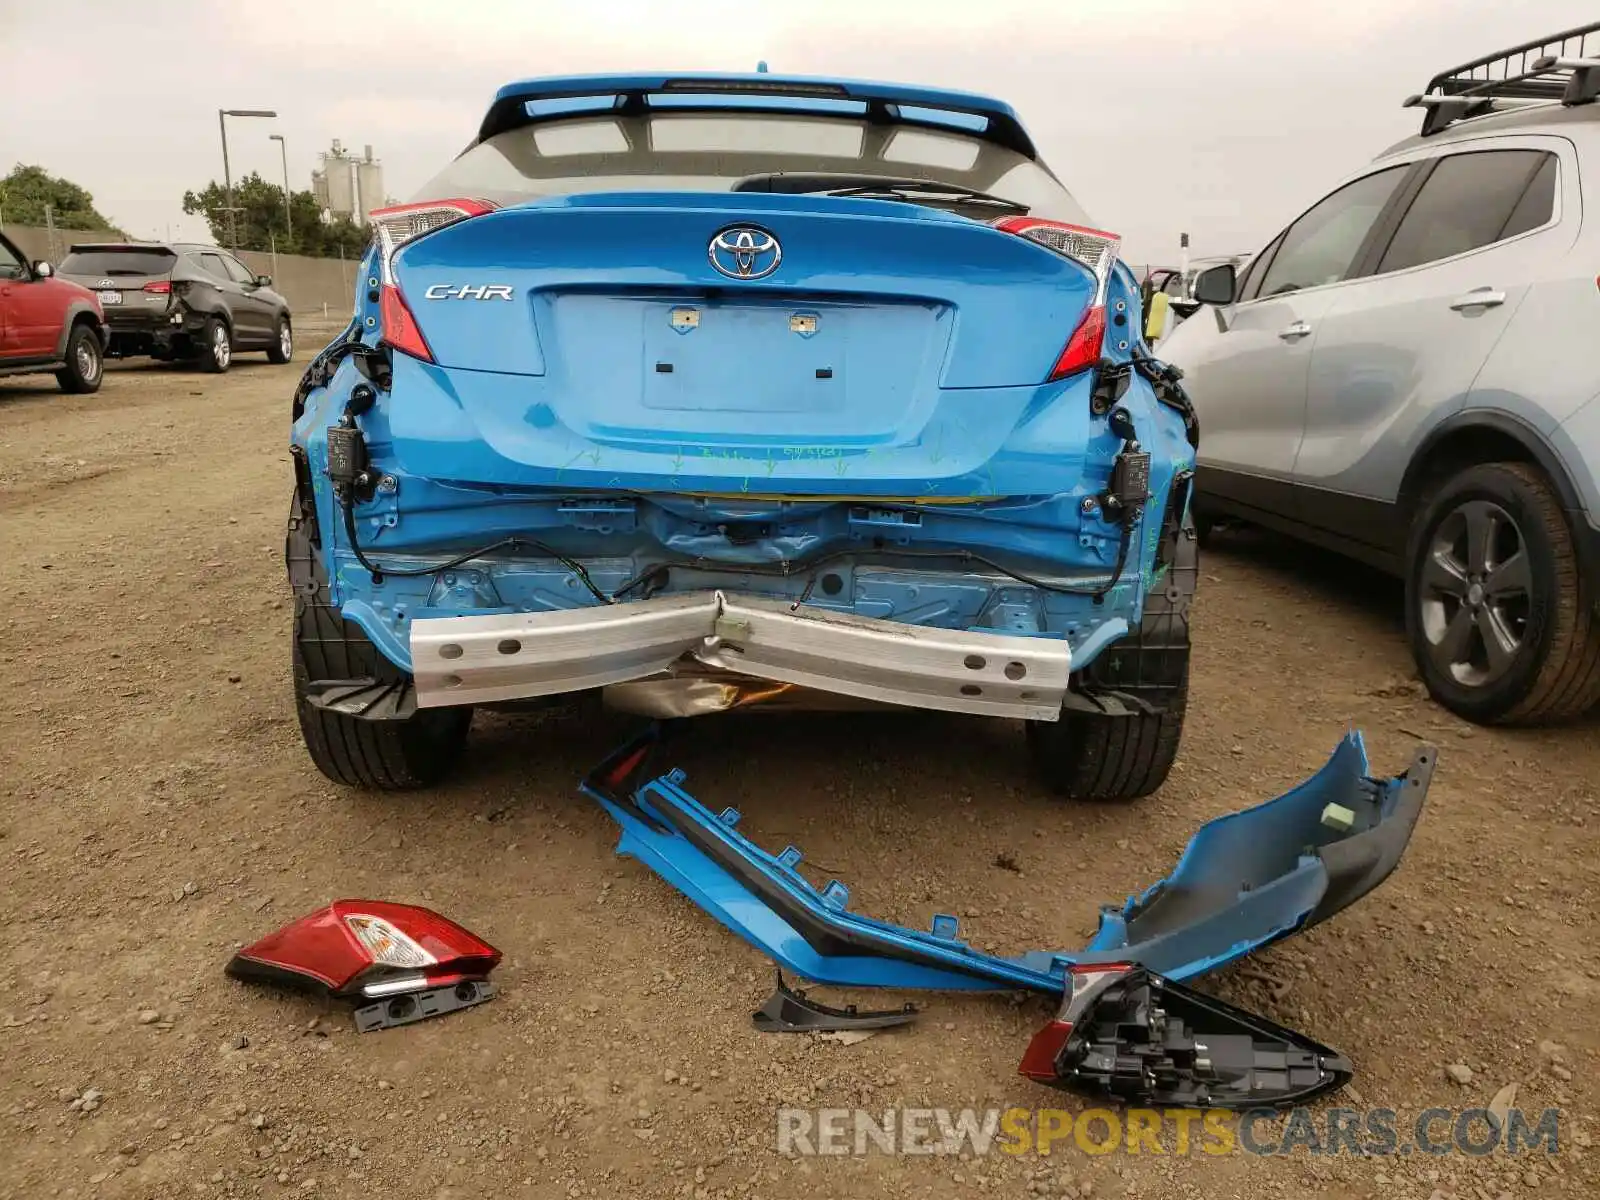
x: 514, y: 656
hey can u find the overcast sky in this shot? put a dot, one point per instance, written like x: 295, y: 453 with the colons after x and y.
x: 1221, y: 118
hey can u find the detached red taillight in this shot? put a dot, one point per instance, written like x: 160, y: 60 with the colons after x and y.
x: 1095, y: 249
x: 1041, y: 1061
x: 392, y: 228
x: 367, y: 948
x: 159, y: 287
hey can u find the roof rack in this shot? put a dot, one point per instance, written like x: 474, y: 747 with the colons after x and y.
x: 1563, y: 68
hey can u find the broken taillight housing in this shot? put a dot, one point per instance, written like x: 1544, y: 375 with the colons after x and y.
x: 1125, y: 1032
x: 1093, y: 248
x: 1084, y: 985
x: 393, y: 228
x: 367, y: 948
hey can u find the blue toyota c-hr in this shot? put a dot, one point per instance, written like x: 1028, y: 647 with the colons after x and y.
x: 711, y: 392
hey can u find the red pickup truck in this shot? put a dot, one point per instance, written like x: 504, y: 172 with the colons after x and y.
x: 48, y: 324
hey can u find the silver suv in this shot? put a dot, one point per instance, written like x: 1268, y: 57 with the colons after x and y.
x: 1405, y: 374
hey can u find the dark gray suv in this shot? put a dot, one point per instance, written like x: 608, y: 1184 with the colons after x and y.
x: 182, y: 301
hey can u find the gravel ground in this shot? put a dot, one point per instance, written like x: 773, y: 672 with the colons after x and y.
x: 158, y: 810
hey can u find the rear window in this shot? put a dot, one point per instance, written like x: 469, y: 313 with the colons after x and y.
x: 157, y: 260
x: 1473, y: 200
x: 700, y: 152
x: 937, y: 150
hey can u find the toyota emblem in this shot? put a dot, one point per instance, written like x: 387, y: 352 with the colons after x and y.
x: 745, y: 252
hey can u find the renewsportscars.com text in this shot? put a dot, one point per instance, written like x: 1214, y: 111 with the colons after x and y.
x: 1176, y: 1131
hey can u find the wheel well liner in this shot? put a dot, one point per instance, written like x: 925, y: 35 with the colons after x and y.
x: 1473, y: 437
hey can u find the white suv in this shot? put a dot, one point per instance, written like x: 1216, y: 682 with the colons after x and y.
x: 1405, y: 374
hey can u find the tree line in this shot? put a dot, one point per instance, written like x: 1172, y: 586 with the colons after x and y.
x: 263, y: 223
x: 30, y: 195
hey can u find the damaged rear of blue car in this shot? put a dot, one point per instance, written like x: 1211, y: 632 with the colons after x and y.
x: 713, y: 392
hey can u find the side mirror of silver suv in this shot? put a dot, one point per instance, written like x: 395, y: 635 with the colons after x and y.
x: 1215, y: 285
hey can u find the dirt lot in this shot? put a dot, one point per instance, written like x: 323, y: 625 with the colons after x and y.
x: 158, y: 810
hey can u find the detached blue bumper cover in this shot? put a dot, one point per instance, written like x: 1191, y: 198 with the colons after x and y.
x: 1245, y: 880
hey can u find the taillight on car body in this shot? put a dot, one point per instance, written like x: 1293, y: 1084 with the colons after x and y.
x: 393, y: 228
x: 1093, y: 248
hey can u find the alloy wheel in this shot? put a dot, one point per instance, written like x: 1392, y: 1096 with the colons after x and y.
x: 1476, y: 593
x: 221, y: 347
x: 87, y: 362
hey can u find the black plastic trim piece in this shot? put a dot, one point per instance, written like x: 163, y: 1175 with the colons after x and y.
x: 407, y: 1008
x: 1496, y: 421
x: 789, y: 1011
x: 366, y: 699
x: 1283, y: 506
x: 1376, y: 244
x: 32, y: 366
x: 1358, y: 864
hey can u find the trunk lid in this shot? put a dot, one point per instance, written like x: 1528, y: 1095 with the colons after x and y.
x: 908, y: 340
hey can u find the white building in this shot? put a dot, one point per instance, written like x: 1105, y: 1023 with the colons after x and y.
x: 369, y: 184
x: 347, y: 186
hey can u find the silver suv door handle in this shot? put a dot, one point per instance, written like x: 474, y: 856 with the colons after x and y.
x: 1478, y: 298
x: 1298, y: 330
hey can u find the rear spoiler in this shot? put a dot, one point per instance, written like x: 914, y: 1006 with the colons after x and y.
x: 136, y: 247
x: 987, y: 119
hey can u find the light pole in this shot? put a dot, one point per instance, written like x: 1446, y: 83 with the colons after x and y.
x: 288, y: 215
x: 227, y: 178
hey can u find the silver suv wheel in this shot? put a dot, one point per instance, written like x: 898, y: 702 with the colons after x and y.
x: 1477, y: 589
x: 1500, y: 618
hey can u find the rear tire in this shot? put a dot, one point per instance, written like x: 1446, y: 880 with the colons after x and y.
x: 85, y: 364
x: 392, y: 755
x: 216, y: 346
x: 282, y: 348
x: 1491, y: 556
x: 1118, y: 736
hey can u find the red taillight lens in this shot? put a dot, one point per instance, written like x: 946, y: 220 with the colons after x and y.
x: 1086, y: 982
x: 158, y: 287
x: 400, y: 327
x: 1083, y: 347
x: 1039, y: 1059
x: 367, y: 947
x: 1095, y: 249
x: 392, y: 228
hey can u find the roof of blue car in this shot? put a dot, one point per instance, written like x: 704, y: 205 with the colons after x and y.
x: 883, y: 101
